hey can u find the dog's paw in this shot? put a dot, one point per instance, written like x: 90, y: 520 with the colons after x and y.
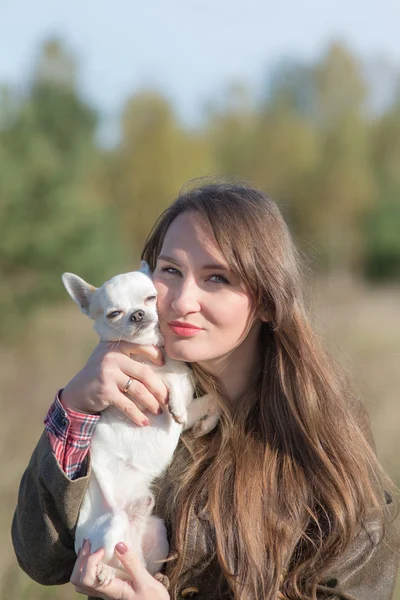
x: 145, y: 504
x: 162, y: 579
x: 141, y: 507
x: 179, y: 415
x: 206, y: 424
x: 104, y: 574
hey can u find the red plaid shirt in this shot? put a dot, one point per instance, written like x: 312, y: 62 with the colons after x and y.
x: 69, y: 434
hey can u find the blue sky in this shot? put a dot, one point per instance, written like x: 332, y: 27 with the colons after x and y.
x: 188, y: 48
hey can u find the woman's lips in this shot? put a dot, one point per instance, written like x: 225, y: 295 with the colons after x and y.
x: 183, y: 329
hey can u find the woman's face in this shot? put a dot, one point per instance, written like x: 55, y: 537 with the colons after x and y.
x: 205, y: 310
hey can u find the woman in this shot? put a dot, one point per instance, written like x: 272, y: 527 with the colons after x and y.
x: 285, y: 498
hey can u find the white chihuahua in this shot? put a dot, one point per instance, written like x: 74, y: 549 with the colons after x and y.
x: 126, y: 458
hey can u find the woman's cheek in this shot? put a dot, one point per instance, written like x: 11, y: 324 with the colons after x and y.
x: 161, y: 296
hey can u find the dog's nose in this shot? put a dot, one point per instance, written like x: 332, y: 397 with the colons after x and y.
x: 137, y: 316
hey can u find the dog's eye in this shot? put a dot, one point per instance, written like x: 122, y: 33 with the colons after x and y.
x: 113, y: 314
x: 150, y: 298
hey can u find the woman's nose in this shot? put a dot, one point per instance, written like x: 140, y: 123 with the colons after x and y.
x: 185, y: 298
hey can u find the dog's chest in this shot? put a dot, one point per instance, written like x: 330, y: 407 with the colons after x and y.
x: 119, y: 444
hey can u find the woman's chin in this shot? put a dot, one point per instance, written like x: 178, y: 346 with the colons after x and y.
x: 181, y: 350
x: 175, y: 354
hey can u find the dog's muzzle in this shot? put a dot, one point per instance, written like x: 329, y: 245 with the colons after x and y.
x: 137, y: 316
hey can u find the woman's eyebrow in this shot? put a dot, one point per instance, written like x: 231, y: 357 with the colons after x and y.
x: 168, y: 259
x: 216, y: 266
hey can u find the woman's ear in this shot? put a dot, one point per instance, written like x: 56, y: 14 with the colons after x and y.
x: 265, y: 317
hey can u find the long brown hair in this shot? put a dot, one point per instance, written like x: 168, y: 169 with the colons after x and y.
x: 291, y: 469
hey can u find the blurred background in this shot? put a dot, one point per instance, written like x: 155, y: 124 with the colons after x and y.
x: 107, y: 109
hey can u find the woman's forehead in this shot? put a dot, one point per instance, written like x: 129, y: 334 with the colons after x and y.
x: 190, y: 235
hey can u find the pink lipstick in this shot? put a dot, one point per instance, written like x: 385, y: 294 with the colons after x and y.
x: 183, y: 329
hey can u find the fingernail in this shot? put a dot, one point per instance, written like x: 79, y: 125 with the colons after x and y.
x: 145, y: 422
x: 86, y: 544
x: 121, y: 548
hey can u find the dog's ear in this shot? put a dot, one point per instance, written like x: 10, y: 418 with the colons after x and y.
x: 79, y: 290
x: 145, y: 268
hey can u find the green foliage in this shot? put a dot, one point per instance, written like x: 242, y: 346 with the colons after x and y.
x: 50, y: 219
x: 308, y: 145
x: 383, y: 238
x: 382, y: 224
x: 66, y: 204
x: 231, y: 133
x: 154, y: 158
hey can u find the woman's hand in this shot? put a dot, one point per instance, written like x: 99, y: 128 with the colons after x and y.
x: 142, y: 585
x: 104, y: 377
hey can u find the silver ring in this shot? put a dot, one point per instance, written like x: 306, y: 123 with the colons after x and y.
x: 128, y: 383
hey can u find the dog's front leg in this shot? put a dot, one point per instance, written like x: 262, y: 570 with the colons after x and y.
x: 180, y: 393
x: 203, y: 415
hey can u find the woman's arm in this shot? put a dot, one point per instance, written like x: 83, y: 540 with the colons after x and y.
x: 69, y: 434
x: 44, y: 523
x: 45, y: 518
x: 368, y: 569
x: 42, y: 502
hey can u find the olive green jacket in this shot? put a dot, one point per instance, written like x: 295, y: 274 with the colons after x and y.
x: 47, y: 512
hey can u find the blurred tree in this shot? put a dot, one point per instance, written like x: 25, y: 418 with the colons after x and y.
x: 342, y: 195
x: 386, y: 145
x: 232, y: 125
x: 55, y: 66
x: 382, y: 237
x: 342, y: 188
x: 339, y: 86
x: 290, y: 85
x: 286, y: 153
x: 154, y: 158
x: 382, y: 225
x: 50, y: 220
x: 310, y: 143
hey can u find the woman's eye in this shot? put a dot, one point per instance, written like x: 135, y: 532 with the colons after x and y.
x: 113, y: 314
x: 218, y: 279
x: 170, y: 270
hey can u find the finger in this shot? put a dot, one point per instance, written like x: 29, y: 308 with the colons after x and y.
x: 152, y: 353
x: 117, y: 589
x: 138, y: 393
x: 80, y: 563
x: 83, y: 553
x: 145, y: 374
x: 87, y: 577
x: 140, y: 576
x: 130, y: 409
x: 82, y: 590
